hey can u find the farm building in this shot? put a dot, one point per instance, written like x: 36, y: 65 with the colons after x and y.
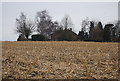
x: 64, y: 35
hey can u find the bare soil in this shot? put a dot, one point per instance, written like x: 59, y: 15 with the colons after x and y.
x: 59, y: 60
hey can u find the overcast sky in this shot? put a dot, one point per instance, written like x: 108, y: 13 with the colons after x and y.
x: 103, y: 11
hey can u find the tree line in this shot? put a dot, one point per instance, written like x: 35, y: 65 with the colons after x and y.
x: 95, y: 31
x: 47, y: 29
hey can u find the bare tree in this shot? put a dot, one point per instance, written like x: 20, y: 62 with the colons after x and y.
x: 85, y: 29
x: 23, y: 26
x: 85, y: 25
x: 45, y: 25
x: 66, y: 22
x: 117, y: 29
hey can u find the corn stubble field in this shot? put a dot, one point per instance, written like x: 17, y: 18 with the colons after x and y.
x: 59, y: 60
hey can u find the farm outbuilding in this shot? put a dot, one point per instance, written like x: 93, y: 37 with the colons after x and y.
x: 64, y: 35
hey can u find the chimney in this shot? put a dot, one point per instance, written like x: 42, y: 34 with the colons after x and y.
x: 70, y: 29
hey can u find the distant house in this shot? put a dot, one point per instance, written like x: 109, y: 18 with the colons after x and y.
x: 64, y: 35
x: 22, y: 38
x: 38, y: 37
x: 107, y: 33
x: 115, y: 39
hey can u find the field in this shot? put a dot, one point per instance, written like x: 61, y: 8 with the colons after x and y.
x: 59, y: 60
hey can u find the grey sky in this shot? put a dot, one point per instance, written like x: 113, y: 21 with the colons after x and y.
x: 103, y: 11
